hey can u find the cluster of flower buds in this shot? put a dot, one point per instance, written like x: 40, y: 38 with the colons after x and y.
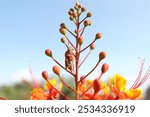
x: 72, y: 55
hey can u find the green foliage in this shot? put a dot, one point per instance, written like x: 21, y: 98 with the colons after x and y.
x: 19, y: 91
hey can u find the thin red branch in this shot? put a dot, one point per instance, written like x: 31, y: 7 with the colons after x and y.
x: 65, y: 84
x: 88, y: 45
x: 63, y: 67
x: 84, y: 59
x: 58, y: 90
x: 90, y: 71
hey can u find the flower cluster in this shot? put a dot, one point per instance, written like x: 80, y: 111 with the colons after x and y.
x: 84, y: 89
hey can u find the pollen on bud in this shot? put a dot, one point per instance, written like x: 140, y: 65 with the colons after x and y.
x: 80, y: 40
x: 92, y: 46
x: 62, y: 31
x: 96, y: 85
x: 104, y: 68
x: 48, y: 52
x: 83, y: 9
x: 89, y: 14
x: 45, y: 75
x: 102, y: 55
x: 56, y: 70
x: 98, y: 35
x: 63, y: 40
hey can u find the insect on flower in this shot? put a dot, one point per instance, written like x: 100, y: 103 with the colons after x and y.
x: 69, y: 59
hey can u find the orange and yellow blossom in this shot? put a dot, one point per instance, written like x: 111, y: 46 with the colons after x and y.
x: 48, y: 93
x: 118, y: 88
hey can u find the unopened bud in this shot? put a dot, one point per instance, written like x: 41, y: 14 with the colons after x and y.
x: 92, y: 46
x: 62, y: 31
x: 104, y: 68
x: 90, y: 22
x: 45, y: 75
x: 82, y: 79
x: 56, y: 70
x: 71, y: 9
x: 71, y: 18
x: 48, y: 52
x: 80, y: 40
x: 63, y: 40
x: 70, y: 12
x: 75, y: 31
x: 86, y: 23
x: 62, y: 25
x: 83, y: 9
x: 74, y: 14
x: 102, y: 55
x: 89, y: 14
x: 96, y: 86
x: 98, y: 35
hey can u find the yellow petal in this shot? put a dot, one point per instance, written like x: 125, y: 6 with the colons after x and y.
x: 53, y: 82
x: 134, y: 93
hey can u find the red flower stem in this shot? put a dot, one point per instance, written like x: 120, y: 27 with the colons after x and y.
x: 82, y: 20
x: 84, y: 59
x: 65, y: 84
x: 82, y: 31
x: 100, y: 76
x: 63, y: 67
x: 70, y: 42
x: 90, y: 71
x: 70, y: 32
x: 58, y: 90
x: 77, y: 57
x: 85, y: 91
x: 88, y: 46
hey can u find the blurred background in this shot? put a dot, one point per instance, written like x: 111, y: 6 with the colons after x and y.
x: 29, y: 27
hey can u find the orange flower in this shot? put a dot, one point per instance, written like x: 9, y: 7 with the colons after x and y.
x: 38, y: 94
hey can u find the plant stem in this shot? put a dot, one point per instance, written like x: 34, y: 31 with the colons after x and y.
x: 88, y: 45
x: 63, y: 67
x: 90, y: 71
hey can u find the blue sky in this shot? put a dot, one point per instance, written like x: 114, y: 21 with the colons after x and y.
x: 28, y: 27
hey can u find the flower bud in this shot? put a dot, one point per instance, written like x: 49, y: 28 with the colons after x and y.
x: 63, y: 40
x: 98, y: 35
x: 48, y: 52
x: 81, y: 79
x: 75, y: 31
x: 92, y: 46
x: 71, y: 9
x: 96, y: 86
x: 89, y: 14
x: 71, y: 18
x: 80, y: 40
x: 62, y: 31
x: 56, y: 70
x: 90, y: 22
x: 62, y: 25
x: 70, y: 12
x: 74, y: 14
x: 104, y: 68
x: 86, y: 23
x: 102, y: 55
x: 83, y: 9
x: 45, y: 75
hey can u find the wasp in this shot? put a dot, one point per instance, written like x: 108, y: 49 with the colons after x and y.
x: 69, y: 59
